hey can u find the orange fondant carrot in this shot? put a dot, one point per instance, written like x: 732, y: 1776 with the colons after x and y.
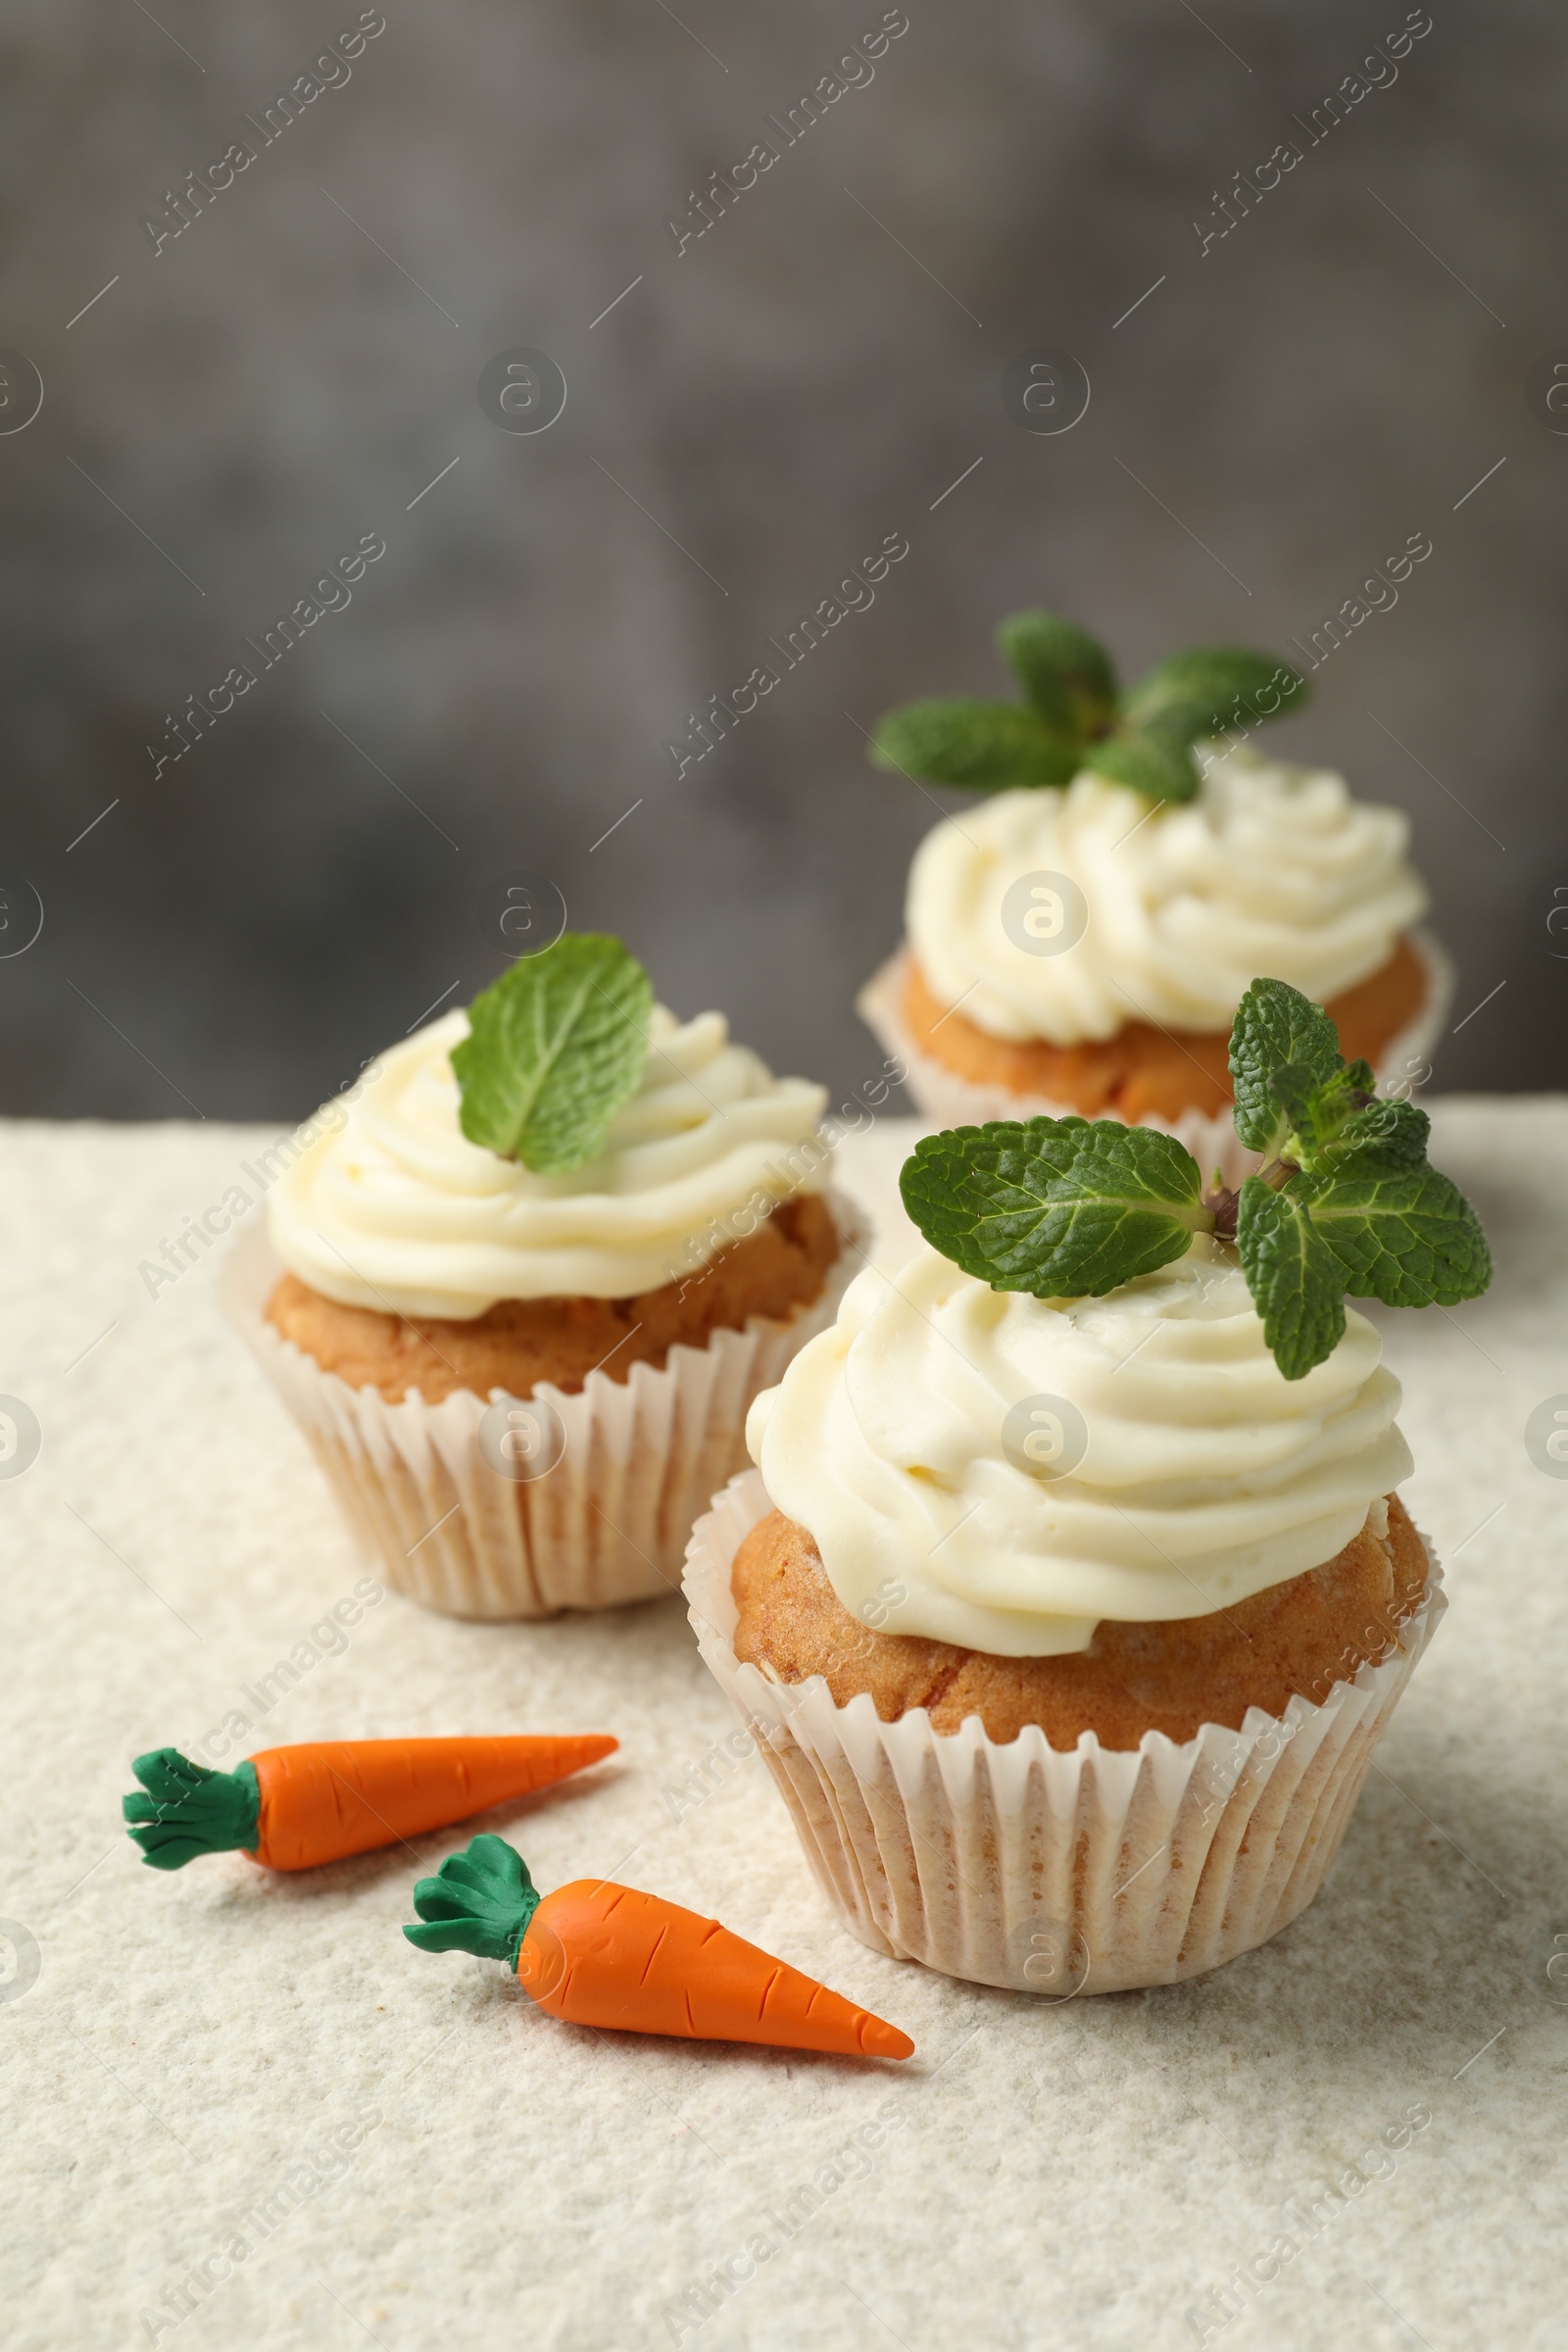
x: 599, y: 1954
x: 294, y: 1807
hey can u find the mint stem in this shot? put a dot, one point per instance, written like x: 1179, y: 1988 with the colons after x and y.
x: 1224, y: 1203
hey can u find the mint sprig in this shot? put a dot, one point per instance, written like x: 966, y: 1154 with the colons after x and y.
x: 555, y: 1048
x: 1293, y: 1276
x: 1072, y: 717
x: 990, y: 747
x: 1345, y: 1203
x: 1283, y: 1047
x: 1083, y: 1205
x: 1402, y: 1234
x: 1066, y: 675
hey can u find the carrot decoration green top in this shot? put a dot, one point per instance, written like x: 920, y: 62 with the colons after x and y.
x: 482, y: 1902
x: 189, y: 1810
x: 292, y: 1809
x: 598, y: 1954
x: 1072, y: 715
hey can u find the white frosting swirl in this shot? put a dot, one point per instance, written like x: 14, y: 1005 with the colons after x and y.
x: 1208, y: 1475
x: 391, y: 1207
x: 1270, y: 870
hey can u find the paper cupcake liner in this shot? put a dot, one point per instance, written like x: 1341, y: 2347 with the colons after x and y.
x: 1051, y: 1873
x: 949, y: 1101
x: 609, y: 1523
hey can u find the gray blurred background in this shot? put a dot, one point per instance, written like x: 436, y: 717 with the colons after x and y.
x: 242, y: 928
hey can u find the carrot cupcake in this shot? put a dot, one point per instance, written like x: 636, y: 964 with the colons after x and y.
x: 1080, y: 941
x: 523, y: 1283
x: 1075, y: 1589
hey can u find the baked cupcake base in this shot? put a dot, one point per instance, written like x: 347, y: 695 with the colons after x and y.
x: 1303, y: 1634
x: 893, y: 1007
x: 608, y: 1524
x: 524, y: 1344
x: 1017, y: 1864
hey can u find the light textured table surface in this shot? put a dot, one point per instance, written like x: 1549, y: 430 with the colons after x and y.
x: 1086, y: 2175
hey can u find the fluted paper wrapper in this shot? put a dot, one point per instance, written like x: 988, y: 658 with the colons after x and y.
x: 1051, y: 1873
x: 607, y: 1526
x: 949, y: 1100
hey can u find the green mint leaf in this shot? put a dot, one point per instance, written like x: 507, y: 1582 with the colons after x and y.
x: 554, y: 1048
x: 1159, y: 770
x: 1397, y: 1130
x: 1061, y: 1207
x: 990, y: 747
x: 1347, y: 1202
x: 1337, y: 1097
x: 1348, y: 1115
x: 1300, y: 1094
x: 1314, y: 1110
x: 1297, y: 1281
x: 1066, y: 672
x: 1210, y: 688
x: 1276, y: 1027
x: 1400, y: 1233
x: 1072, y: 719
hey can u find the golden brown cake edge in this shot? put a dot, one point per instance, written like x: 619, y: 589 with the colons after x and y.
x: 1142, y: 1069
x: 518, y: 1344
x: 1293, y: 1638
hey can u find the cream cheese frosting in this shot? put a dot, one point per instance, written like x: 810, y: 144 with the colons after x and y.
x: 1206, y: 1475
x: 391, y: 1207
x: 1271, y: 869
